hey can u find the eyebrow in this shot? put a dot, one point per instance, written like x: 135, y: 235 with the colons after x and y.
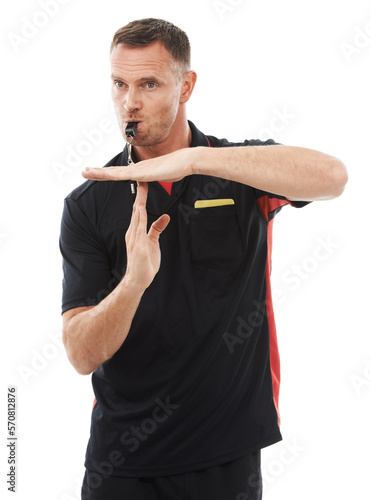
x: 149, y: 78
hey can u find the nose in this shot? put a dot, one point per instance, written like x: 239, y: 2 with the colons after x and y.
x: 131, y: 102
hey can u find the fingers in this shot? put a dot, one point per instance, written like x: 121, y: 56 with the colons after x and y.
x: 170, y: 168
x: 142, y: 192
x: 114, y: 173
x: 142, y: 224
x: 158, y: 226
x: 140, y: 202
x: 106, y: 174
x: 137, y: 230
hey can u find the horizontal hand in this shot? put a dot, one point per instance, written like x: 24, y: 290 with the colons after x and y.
x: 168, y: 168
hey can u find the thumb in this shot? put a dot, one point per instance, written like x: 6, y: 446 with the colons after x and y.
x: 159, y: 226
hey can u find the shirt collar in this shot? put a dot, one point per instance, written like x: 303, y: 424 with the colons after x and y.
x: 198, y: 138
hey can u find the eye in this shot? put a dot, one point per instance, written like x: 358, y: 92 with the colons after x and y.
x: 118, y: 83
x: 151, y: 85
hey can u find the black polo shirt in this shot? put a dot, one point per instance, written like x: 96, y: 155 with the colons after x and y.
x: 195, y: 384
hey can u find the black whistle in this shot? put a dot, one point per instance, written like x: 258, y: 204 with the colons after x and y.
x: 131, y: 129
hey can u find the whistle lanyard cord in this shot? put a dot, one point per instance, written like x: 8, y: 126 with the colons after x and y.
x: 133, y: 188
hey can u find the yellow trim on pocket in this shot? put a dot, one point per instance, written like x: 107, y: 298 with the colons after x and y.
x: 213, y: 203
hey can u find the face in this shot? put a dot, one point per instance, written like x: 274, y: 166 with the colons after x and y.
x: 145, y: 89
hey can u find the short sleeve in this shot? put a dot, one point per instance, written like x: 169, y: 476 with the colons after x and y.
x: 86, y: 264
x: 270, y: 204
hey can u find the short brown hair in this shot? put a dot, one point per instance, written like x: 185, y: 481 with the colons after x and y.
x: 144, y: 32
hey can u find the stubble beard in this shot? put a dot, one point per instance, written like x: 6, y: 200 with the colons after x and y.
x: 158, y: 131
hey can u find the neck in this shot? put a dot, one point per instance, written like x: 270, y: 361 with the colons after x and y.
x: 180, y: 137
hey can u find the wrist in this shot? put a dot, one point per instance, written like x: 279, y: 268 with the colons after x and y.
x: 132, y: 286
x: 198, y: 160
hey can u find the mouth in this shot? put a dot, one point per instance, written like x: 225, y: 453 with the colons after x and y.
x: 132, y: 123
x: 126, y: 122
x: 131, y: 129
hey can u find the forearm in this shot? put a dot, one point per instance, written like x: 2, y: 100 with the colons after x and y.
x: 91, y: 336
x: 94, y: 335
x: 294, y: 172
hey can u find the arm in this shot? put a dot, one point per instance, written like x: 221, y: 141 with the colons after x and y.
x: 297, y: 173
x: 294, y: 172
x: 92, y: 335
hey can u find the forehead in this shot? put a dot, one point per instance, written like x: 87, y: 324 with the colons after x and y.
x: 136, y: 61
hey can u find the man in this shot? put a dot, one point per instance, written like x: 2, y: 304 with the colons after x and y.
x: 179, y: 337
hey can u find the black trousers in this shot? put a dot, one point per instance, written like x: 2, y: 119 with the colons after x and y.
x: 237, y: 480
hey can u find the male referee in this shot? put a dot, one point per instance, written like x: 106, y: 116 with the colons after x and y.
x: 179, y: 336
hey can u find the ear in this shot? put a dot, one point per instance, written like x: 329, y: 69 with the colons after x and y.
x: 188, y: 84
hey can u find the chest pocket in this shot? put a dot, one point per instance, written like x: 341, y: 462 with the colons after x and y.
x: 216, y: 239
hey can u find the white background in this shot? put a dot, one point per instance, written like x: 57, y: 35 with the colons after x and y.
x: 255, y: 59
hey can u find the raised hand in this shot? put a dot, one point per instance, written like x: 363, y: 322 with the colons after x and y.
x: 143, y: 251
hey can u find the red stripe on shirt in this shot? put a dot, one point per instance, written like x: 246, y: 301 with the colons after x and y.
x: 267, y: 205
x: 274, y: 350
